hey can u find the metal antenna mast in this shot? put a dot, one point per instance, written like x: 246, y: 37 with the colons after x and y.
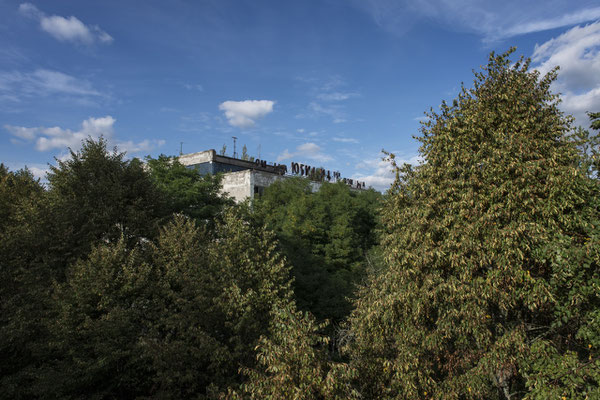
x: 180, y: 148
x: 234, y: 151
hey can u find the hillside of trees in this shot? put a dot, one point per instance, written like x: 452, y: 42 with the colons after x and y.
x: 475, y: 276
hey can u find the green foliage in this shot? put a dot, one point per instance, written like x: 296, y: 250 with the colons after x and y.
x: 595, y: 120
x: 589, y: 150
x: 492, y: 248
x: 326, y: 236
x: 96, y: 195
x: 25, y: 280
x: 186, y: 191
x: 293, y: 363
x: 223, y: 150
x: 171, y: 320
x: 245, y: 153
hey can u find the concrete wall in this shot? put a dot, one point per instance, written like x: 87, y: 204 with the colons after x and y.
x: 238, y: 185
x: 241, y: 185
x: 197, y: 158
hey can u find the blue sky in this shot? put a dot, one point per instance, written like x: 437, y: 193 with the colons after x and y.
x: 328, y: 83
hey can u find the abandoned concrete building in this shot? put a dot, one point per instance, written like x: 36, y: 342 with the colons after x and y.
x: 244, y: 179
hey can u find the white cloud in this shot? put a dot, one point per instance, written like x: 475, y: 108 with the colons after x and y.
x: 143, y: 146
x: 16, y: 85
x: 344, y: 140
x: 577, y: 53
x: 51, y: 138
x: 378, y: 173
x: 196, y: 86
x: 327, y: 97
x: 39, y: 171
x: 310, y: 151
x: 490, y: 19
x: 69, y: 29
x: 21, y: 132
x: 336, y: 96
x: 332, y: 110
x: 243, y: 114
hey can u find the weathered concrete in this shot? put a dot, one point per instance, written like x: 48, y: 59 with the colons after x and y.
x: 240, y: 185
x: 247, y: 184
x: 197, y: 158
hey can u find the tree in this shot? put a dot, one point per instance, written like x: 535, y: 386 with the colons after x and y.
x: 97, y: 195
x: 223, y: 150
x: 25, y: 281
x: 293, y: 362
x: 589, y: 151
x: 326, y: 236
x: 93, y: 197
x: 492, y: 251
x: 245, y: 153
x: 175, y: 319
x: 595, y: 120
x: 186, y: 190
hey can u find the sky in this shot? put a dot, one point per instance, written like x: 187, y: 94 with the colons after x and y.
x: 329, y: 83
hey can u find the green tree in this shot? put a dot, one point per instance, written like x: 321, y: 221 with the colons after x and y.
x: 223, y: 150
x: 245, y: 153
x: 492, y: 249
x: 595, y: 120
x: 589, y: 150
x: 25, y: 281
x: 326, y: 235
x: 293, y: 362
x: 175, y: 319
x: 92, y: 197
x: 97, y: 195
x: 186, y: 190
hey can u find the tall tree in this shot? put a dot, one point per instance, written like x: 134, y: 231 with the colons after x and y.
x: 492, y: 248
x: 98, y: 195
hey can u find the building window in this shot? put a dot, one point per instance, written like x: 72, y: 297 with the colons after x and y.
x: 259, y: 190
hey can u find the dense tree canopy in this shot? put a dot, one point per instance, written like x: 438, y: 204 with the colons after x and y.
x: 492, y: 246
x: 171, y: 320
x: 24, y: 279
x: 326, y: 235
x: 186, y: 191
x: 98, y: 195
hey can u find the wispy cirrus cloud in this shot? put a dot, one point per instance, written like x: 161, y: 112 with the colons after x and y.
x: 307, y: 151
x: 243, y: 114
x: 57, y: 138
x: 577, y: 53
x: 344, y: 140
x: 327, y: 97
x: 69, y: 29
x: 16, y: 85
x: 492, y: 20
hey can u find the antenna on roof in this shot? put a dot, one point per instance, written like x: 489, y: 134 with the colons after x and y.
x: 180, y: 148
x: 234, y: 151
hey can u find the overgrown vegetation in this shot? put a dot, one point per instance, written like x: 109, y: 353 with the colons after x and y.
x: 476, y: 276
